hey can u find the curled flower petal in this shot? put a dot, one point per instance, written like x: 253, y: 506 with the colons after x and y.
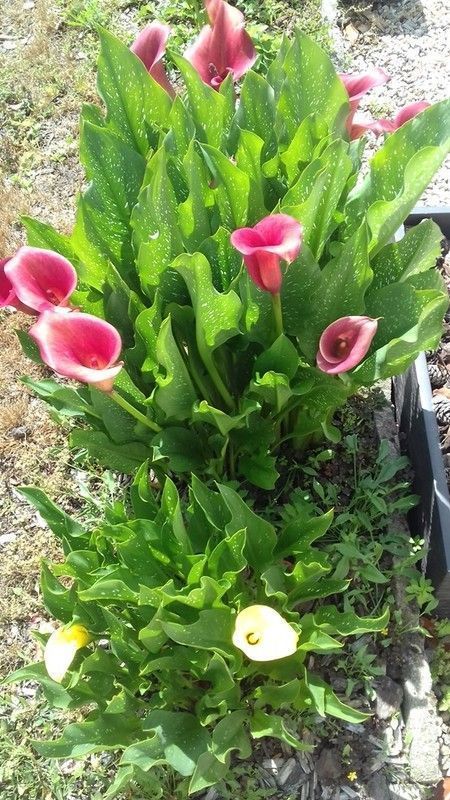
x: 276, y: 237
x: 42, y: 280
x: 263, y: 635
x: 8, y: 296
x: 61, y: 648
x: 379, y: 126
x: 344, y: 343
x: 357, y: 85
x: 222, y: 48
x: 150, y: 46
x: 79, y: 346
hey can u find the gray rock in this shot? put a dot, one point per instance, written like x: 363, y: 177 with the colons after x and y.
x: 389, y: 696
x: 329, y: 766
x: 377, y: 788
x: 421, y: 719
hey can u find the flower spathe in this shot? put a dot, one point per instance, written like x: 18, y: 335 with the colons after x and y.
x: 150, y: 46
x: 41, y: 279
x: 357, y: 85
x: 8, y: 296
x: 275, y: 238
x: 61, y: 648
x: 223, y: 47
x: 344, y: 343
x: 79, y: 346
x: 380, y: 126
x: 263, y: 634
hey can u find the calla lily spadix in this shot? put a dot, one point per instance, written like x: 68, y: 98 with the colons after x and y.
x: 223, y: 47
x: 150, y: 46
x: 79, y: 346
x: 276, y: 238
x: 61, y: 648
x: 344, y: 343
x: 41, y: 279
x: 263, y: 635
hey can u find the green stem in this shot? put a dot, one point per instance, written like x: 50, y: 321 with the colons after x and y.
x: 133, y: 411
x: 213, y: 373
x: 277, y: 313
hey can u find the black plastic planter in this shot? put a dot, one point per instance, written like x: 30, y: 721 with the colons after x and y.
x: 417, y: 422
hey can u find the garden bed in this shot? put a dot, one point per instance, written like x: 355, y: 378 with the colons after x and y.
x: 423, y: 413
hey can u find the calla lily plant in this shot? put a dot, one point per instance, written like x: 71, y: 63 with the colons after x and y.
x: 229, y: 281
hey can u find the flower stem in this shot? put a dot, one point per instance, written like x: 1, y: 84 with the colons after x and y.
x: 277, y: 313
x: 133, y: 411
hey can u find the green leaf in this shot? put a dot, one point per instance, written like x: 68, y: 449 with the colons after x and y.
x: 156, y: 235
x: 301, y: 149
x: 107, y: 732
x: 224, y: 259
x: 399, y: 173
x: 411, y: 321
x: 262, y: 725
x: 208, y: 772
x: 116, y: 172
x: 329, y: 619
x: 317, y: 212
x: 39, y: 234
x: 281, y: 356
x: 121, y: 457
x: 181, y: 447
x: 209, y: 109
x: 175, y: 394
x: 194, y: 214
x: 55, y: 694
x: 261, y: 536
x: 232, y: 190
x: 248, y: 160
x: 178, y: 739
x: 256, y: 111
x: 137, y: 106
x: 300, y: 96
x: 69, y: 531
x: 326, y: 702
x: 230, y: 734
x: 227, y: 559
x: 69, y: 402
x: 416, y: 252
x: 259, y: 469
x: 212, y: 631
x: 58, y: 600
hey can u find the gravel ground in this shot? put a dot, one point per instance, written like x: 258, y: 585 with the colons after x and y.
x: 410, y: 40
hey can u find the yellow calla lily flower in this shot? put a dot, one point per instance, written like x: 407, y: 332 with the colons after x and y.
x: 263, y: 635
x: 61, y: 648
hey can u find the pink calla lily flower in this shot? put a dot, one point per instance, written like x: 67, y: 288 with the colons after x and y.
x: 223, y: 47
x: 344, y: 344
x: 150, y: 46
x: 276, y: 238
x: 357, y: 85
x: 41, y: 279
x: 79, y: 346
x: 380, y: 126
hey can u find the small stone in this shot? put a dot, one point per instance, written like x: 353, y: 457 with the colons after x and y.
x: 351, y: 33
x: 7, y: 538
x: 20, y: 432
x: 28, y: 5
x: 328, y: 766
x: 389, y: 697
